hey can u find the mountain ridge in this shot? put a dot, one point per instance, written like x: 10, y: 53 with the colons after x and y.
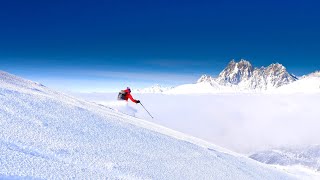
x: 246, y: 77
x: 242, y: 76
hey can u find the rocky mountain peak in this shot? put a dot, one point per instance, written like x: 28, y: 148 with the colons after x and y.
x: 276, y: 67
x: 204, y: 78
x: 244, y: 76
x: 235, y: 72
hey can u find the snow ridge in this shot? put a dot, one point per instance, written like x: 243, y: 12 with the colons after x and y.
x: 314, y: 74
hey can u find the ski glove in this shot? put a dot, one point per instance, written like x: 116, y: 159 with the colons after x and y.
x: 137, y: 101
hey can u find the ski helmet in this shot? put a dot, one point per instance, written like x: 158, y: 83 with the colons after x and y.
x: 128, y: 89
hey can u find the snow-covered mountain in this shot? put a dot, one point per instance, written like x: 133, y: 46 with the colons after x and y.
x: 49, y: 135
x: 314, y: 74
x: 207, y: 79
x: 243, y: 76
x: 235, y: 73
x: 153, y: 89
x: 306, y: 84
x: 303, y: 156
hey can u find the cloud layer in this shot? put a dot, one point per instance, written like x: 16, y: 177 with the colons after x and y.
x: 240, y: 122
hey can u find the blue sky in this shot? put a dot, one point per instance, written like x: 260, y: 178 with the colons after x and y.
x: 105, y: 45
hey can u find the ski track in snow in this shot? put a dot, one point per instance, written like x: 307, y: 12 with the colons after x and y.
x: 49, y: 135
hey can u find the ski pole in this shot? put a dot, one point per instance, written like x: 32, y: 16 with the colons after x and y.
x: 145, y: 109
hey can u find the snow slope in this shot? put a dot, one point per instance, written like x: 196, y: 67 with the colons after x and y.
x: 307, y: 84
x: 303, y: 161
x: 48, y: 135
x: 307, y: 156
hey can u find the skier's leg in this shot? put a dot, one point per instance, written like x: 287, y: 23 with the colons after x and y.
x: 131, y: 111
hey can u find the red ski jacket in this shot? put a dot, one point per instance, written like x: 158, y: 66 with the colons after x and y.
x: 128, y: 96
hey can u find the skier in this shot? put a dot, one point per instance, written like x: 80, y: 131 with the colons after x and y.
x: 126, y: 94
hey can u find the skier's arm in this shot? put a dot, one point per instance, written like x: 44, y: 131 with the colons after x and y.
x: 131, y: 98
